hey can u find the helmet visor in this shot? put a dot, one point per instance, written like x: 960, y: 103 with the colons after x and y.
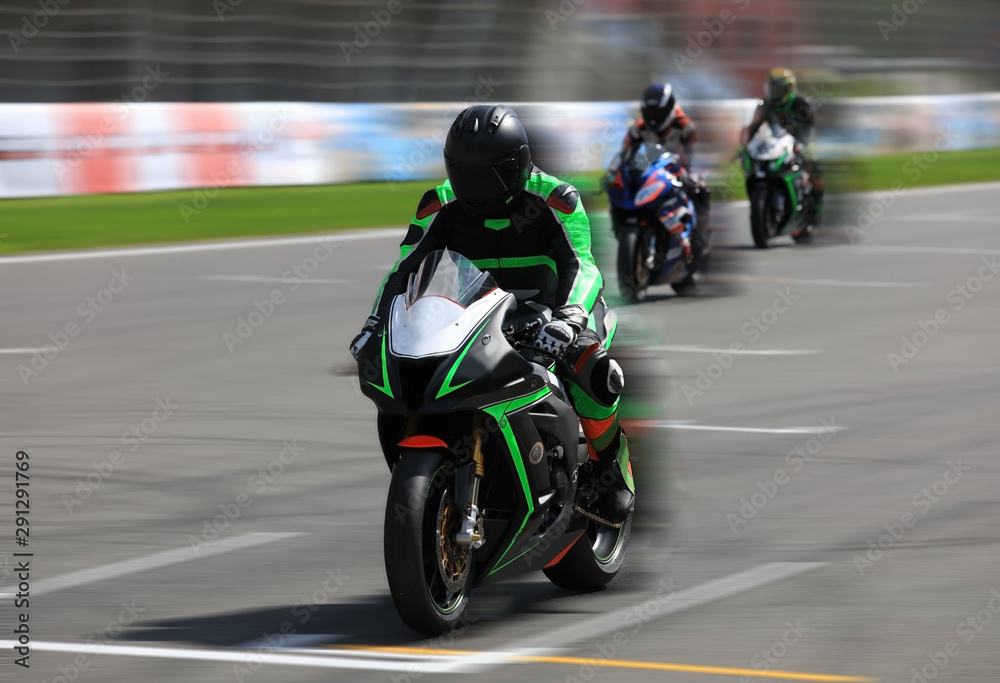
x: 778, y: 89
x: 482, y: 186
x: 656, y: 115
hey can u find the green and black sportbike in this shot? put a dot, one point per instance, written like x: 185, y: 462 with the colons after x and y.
x: 779, y: 187
x: 488, y: 462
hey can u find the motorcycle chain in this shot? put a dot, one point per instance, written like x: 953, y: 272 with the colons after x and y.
x: 599, y: 520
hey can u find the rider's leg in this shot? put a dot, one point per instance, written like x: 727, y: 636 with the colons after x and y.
x: 594, y: 382
x: 812, y: 167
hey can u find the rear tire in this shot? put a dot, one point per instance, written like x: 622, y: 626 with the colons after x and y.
x: 758, y: 217
x: 420, y: 521
x: 633, y: 276
x: 805, y: 235
x: 686, y: 287
x: 595, y: 559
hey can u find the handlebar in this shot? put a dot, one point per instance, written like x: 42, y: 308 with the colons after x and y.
x: 513, y: 331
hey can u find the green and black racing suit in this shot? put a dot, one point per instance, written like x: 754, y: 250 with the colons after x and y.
x: 542, y: 242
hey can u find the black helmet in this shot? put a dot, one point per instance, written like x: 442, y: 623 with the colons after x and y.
x: 487, y: 158
x: 658, y: 106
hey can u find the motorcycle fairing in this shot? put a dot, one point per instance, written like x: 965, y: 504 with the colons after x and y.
x: 770, y: 158
x: 467, y: 344
x: 434, y: 325
x: 523, y: 548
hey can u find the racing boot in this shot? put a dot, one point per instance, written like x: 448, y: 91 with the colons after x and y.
x: 700, y: 193
x: 805, y: 231
x: 608, y: 495
x: 817, y: 212
x: 699, y: 248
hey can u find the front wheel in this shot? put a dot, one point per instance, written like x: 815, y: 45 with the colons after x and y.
x: 633, y: 275
x: 759, y: 224
x: 595, y: 558
x: 430, y: 576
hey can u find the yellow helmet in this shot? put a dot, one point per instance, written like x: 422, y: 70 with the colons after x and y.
x: 780, y: 86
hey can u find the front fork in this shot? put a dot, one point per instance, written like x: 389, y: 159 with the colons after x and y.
x: 651, y: 252
x: 467, y: 480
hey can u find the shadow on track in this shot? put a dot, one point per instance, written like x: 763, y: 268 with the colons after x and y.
x: 372, y: 621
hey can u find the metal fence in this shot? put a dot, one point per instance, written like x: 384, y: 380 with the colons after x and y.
x: 419, y: 50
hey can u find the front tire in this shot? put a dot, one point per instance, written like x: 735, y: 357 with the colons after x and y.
x: 633, y: 276
x: 430, y: 577
x: 758, y: 217
x: 595, y: 559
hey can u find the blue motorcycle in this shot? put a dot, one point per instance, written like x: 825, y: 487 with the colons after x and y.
x: 662, y: 239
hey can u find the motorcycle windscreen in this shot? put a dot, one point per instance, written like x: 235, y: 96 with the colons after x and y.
x: 445, y: 300
x: 777, y: 130
x: 659, y: 154
x: 449, y: 275
x: 646, y: 161
x: 770, y: 142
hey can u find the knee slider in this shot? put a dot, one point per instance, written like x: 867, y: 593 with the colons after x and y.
x: 615, y: 378
x: 606, y: 380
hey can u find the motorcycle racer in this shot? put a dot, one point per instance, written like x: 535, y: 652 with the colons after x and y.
x: 530, y: 230
x: 788, y: 108
x: 665, y: 123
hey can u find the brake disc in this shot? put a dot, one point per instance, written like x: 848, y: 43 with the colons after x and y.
x: 452, y: 559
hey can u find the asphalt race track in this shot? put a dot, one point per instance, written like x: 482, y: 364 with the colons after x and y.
x: 830, y: 510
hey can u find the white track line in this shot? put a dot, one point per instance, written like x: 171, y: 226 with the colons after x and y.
x: 692, y: 348
x: 291, y: 642
x: 855, y: 283
x: 372, y: 234
x: 21, y: 351
x: 245, y: 657
x: 669, y: 424
x: 276, y: 280
x: 876, y: 250
x: 826, y: 283
x: 164, y: 559
x: 970, y: 217
x: 626, y: 618
x: 940, y: 189
x: 702, y: 594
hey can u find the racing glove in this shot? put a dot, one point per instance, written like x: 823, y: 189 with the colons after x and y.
x: 366, y: 332
x: 559, y: 334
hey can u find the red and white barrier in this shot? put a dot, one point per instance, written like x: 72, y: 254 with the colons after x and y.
x: 68, y: 149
